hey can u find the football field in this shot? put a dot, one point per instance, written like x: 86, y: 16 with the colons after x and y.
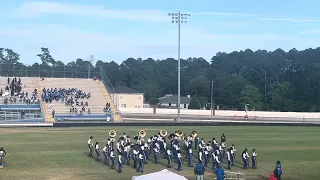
x: 61, y: 153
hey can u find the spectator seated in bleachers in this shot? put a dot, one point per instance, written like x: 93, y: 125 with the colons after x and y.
x: 14, y: 94
x: 71, y: 97
x: 107, y: 109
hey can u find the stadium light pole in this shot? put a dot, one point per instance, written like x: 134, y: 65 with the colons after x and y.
x: 178, y: 18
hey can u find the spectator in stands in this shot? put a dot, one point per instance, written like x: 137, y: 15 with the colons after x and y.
x: 89, y: 111
x: 71, y: 97
x: 22, y: 114
x: 53, y: 113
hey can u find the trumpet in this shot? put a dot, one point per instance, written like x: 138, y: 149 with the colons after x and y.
x: 142, y: 133
x: 112, y: 133
x: 163, y: 133
x: 179, y: 133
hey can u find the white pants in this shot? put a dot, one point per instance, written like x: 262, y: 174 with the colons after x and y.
x: 200, y: 177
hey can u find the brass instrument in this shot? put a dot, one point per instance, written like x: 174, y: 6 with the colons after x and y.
x: 112, y: 133
x: 194, y: 133
x: 179, y: 133
x: 163, y: 133
x: 142, y: 133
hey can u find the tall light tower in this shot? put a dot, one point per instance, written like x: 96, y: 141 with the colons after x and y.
x: 179, y: 18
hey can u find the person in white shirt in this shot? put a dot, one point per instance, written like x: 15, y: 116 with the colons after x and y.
x: 156, y: 152
x: 90, y: 146
x: 245, y: 159
x: 216, y: 160
x: 2, y: 154
x: 233, y: 154
x: 97, y: 148
x: 190, y: 155
x: 254, y: 159
x: 141, y: 160
x: 105, y: 153
x: 112, y: 158
x: 179, y: 161
x: 168, y: 157
x: 135, y: 158
x: 229, y: 158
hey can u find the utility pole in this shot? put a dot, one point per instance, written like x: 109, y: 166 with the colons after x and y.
x: 91, y: 61
x: 212, y: 109
x: 179, y: 18
x: 265, y: 81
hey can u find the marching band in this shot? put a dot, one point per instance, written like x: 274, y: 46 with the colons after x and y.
x: 140, y: 151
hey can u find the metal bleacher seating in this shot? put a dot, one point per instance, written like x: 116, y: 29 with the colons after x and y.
x: 96, y: 102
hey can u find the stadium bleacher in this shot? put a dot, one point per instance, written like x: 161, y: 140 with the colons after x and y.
x: 95, y: 97
x: 96, y: 102
x: 19, y: 101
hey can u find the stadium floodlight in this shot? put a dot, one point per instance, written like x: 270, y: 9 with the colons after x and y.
x: 179, y: 18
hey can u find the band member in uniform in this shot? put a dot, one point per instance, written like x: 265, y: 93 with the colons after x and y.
x: 106, y: 154
x: 223, y: 138
x: 214, y: 143
x: 190, y: 155
x: 179, y: 161
x: 120, y: 165
x: 112, y: 158
x: 254, y: 158
x: 126, y: 153
x: 229, y: 157
x: 2, y: 154
x: 216, y: 160
x: 245, y: 159
x: 220, y: 152
x: 196, y: 142
x: 135, y: 154
x: 141, y: 160
x: 206, y: 155
x: 168, y: 157
x: 97, y: 148
x: 233, y: 154
x: 90, y: 146
x: 156, y: 151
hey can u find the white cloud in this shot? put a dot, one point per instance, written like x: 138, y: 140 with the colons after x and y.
x: 311, y: 31
x: 223, y: 14
x: 35, y: 9
x: 289, y: 19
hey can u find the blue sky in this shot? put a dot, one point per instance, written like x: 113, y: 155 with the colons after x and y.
x: 116, y: 30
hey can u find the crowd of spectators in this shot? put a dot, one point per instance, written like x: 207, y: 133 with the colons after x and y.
x: 72, y: 97
x: 13, y: 93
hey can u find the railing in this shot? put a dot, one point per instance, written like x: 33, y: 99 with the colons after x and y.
x: 39, y: 97
x: 108, y: 85
x: 55, y: 71
x: 17, y: 116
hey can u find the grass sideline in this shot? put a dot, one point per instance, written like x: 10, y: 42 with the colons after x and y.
x: 61, y: 153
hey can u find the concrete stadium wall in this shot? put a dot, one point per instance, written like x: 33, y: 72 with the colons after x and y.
x: 222, y: 113
x: 182, y: 124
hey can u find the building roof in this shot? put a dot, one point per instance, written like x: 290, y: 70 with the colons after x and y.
x: 173, y: 99
x: 125, y: 90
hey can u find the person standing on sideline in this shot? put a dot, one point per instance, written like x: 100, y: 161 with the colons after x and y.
x: 278, y: 170
x: 254, y: 159
x: 220, y: 173
x: 199, y: 170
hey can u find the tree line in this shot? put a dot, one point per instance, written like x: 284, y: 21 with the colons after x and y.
x: 266, y: 80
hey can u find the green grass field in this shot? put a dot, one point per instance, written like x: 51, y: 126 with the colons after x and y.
x: 61, y: 154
